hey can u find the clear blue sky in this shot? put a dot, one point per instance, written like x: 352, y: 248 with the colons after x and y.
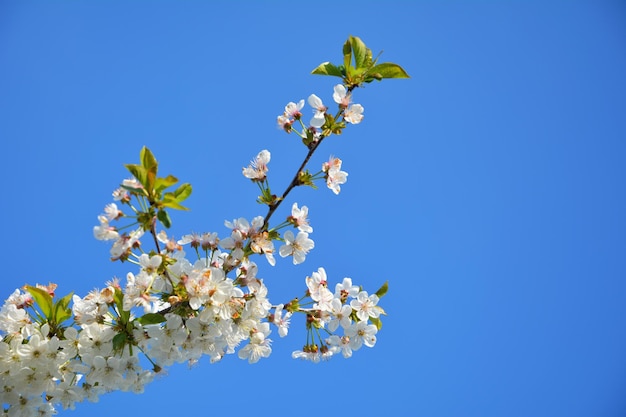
x: 489, y: 189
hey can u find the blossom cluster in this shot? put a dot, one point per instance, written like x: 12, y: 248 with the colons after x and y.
x: 349, y: 308
x: 41, y: 369
x: 188, y: 298
x: 172, y: 310
x: 351, y: 113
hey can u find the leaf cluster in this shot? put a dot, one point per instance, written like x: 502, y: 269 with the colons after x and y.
x: 153, y: 188
x: 53, y: 312
x: 359, y: 67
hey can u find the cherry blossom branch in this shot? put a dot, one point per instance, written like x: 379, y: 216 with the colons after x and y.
x: 177, y: 310
x: 294, y: 182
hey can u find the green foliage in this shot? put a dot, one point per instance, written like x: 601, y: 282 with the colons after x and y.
x: 150, y: 318
x: 383, y: 289
x: 49, y: 311
x: 359, y: 67
x: 153, y: 189
x: 376, y: 322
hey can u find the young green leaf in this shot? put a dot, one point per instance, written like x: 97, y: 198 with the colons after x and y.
x: 171, y: 201
x: 162, y: 183
x: 359, y: 50
x: 164, y: 218
x: 139, y: 173
x: 347, y: 55
x: 43, y: 299
x: 150, y: 166
x: 118, y: 297
x: 388, y: 70
x: 382, y: 290
x: 150, y: 318
x: 62, y: 311
x: 148, y: 161
x: 119, y: 341
x: 183, y: 192
x: 377, y: 322
x: 327, y: 68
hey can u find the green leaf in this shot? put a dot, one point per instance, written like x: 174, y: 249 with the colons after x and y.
x: 382, y: 290
x: 367, y: 63
x: 164, y: 218
x: 119, y: 341
x: 183, y: 192
x: 139, y: 173
x: 150, y: 180
x: 150, y: 165
x: 148, y: 161
x: 118, y: 297
x: 326, y: 68
x: 388, y: 70
x: 162, y: 183
x: 359, y: 50
x: 62, y: 311
x: 150, y: 318
x: 377, y: 322
x: 43, y: 299
x: 171, y: 201
x: 266, y: 197
x: 347, y: 54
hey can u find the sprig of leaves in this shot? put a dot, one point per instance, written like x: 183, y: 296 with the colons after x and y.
x: 359, y: 67
x: 50, y: 311
x: 153, y: 189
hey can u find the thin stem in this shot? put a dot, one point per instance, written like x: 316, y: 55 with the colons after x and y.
x: 294, y: 182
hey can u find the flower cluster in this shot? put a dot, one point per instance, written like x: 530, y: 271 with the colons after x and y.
x: 321, y: 120
x: 196, y: 296
x: 172, y: 310
x: 348, y: 309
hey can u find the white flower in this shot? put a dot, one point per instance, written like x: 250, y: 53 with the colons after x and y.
x: 313, y: 356
x: 324, y: 299
x: 361, y: 333
x: 292, y: 110
x: 95, y: 338
x: 259, y: 346
x: 340, y: 96
x: 298, y: 246
x: 193, y: 238
x: 284, y: 123
x: 334, y: 175
x: 299, y: 218
x: 150, y: 264
x: 112, y: 212
x: 123, y: 245
x: 316, y: 281
x: 106, y: 372
x: 105, y: 231
x: 120, y: 194
x: 340, y: 315
x: 132, y: 183
x: 318, y: 118
x: 209, y: 241
x: 282, y: 322
x: 137, y: 293
x: 354, y: 114
x: 257, y: 170
x: 12, y: 318
x: 365, y: 306
x: 89, y: 309
x: 261, y: 243
x: 342, y: 344
x: 346, y: 289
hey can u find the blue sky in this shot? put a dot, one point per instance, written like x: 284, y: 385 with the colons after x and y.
x: 488, y: 188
